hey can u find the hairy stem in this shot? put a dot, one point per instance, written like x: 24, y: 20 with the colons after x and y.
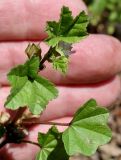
x: 28, y: 123
x: 30, y: 142
x: 47, y: 55
x: 23, y: 141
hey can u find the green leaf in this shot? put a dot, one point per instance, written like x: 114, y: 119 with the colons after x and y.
x: 59, y: 151
x: 62, y: 34
x: 47, y: 143
x: 51, y: 146
x: 2, y: 130
x: 88, y: 130
x: 29, y: 89
x: 68, y: 29
x: 60, y: 55
x: 61, y: 64
x: 20, y: 74
x: 97, y: 7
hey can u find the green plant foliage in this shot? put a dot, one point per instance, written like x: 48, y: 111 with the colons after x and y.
x: 47, y: 142
x: 62, y: 34
x: 60, y: 57
x: 51, y: 145
x: 68, y: 29
x: 61, y: 64
x: 96, y: 9
x: 59, y: 151
x: 29, y: 89
x: 87, y: 130
x: 105, y: 14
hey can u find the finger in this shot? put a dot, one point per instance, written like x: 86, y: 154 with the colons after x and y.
x: 97, y: 58
x: 71, y: 98
x: 21, y: 20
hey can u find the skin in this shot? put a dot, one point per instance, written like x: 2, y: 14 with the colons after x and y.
x: 92, y: 69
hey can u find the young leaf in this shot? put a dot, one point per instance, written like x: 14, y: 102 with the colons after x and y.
x: 60, y: 55
x: 29, y: 89
x: 33, y: 50
x: 62, y: 34
x: 61, y: 64
x: 88, y: 130
x: 68, y: 29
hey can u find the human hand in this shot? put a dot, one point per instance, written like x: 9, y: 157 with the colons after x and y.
x: 92, y: 70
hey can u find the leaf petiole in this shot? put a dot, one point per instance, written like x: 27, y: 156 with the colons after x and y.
x: 34, y: 122
x: 47, y: 55
x: 30, y: 142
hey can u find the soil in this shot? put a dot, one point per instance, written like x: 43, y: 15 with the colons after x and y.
x: 112, y: 150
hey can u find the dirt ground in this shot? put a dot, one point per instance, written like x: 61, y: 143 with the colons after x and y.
x: 111, y: 151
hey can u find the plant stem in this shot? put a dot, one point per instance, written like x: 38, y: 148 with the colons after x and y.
x: 18, y: 114
x: 47, y: 55
x: 23, y: 141
x: 30, y: 142
x: 27, y: 123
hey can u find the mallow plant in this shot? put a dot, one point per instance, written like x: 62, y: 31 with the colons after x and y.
x: 30, y: 93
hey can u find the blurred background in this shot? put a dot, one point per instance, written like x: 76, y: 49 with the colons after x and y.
x: 105, y: 18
